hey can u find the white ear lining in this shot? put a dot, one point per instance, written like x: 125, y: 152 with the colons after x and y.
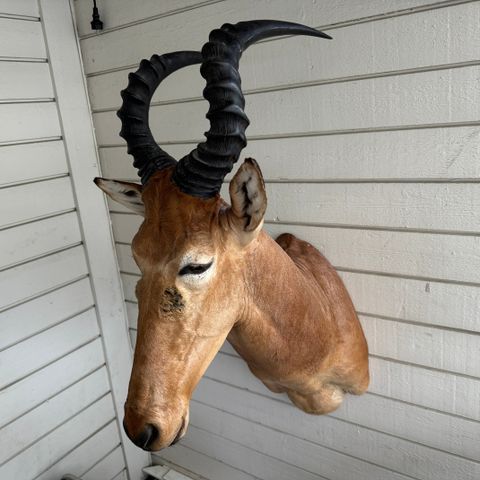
x: 125, y: 193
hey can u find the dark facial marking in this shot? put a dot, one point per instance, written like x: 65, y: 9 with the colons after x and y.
x: 172, y: 300
x: 247, y: 201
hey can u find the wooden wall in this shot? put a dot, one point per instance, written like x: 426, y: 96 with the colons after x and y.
x: 370, y: 148
x: 58, y: 386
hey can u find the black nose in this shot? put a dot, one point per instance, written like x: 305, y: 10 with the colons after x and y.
x: 146, y: 437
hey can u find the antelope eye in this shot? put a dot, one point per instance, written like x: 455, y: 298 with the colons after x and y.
x: 195, y: 268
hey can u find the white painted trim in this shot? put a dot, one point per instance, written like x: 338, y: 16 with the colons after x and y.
x: 76, y: 122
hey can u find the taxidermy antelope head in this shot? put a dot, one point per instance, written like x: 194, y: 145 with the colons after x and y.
x: 209, y: 272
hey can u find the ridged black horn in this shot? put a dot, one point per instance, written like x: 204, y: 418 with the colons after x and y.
x: 202, y: 171
x: 148, y: 156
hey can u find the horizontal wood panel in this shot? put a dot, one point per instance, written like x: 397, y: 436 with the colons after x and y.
x: 85, y: 454
x: 33, y: 425
x: 437, y: 430
x: 23, y: 80
x: 451, y: 207
x: 436, y: 153
x: 36, y: 388
x: 190, y: 29
x: 43, y: 312
x: 356, y: 50
x: 20, y: 163
x: 313, y: 458
x: 234, y: 454
x: 37, y: 238
x: 379, y: 448
x: 115, y: 13
x: 428, y: 302
x: 22, y: 7
x: 447, y: 350
x: 25, y: 121
x: 443, y: 391
x: 422, y: 98
x: 107, y: 467
x: 60, y: 442
x: 21, y: 39
x: 40, y: 275
x: 29, y: 356
x: 34, y: 200
x: 199, y: 463
x: 440, y: 256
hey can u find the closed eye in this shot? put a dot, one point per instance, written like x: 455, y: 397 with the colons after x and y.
x: 195, y: 268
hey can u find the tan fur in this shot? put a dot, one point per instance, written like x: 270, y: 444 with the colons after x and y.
x: 281, y: 304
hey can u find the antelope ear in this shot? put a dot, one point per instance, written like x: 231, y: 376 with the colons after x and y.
x: 249, y: 201
x: 127, y: 193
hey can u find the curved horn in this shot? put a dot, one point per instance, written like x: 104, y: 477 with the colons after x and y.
x: 202, y: 171
x: 148, y: 156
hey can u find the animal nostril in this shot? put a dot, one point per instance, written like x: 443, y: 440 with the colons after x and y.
x: 146, y: 437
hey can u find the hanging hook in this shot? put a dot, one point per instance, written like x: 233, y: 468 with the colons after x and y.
x: 96, y: 23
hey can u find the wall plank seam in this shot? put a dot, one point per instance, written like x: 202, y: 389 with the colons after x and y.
x: 322, y: 133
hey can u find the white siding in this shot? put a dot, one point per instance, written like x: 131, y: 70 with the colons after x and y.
x: 57, y: 393
x: 370, y: 149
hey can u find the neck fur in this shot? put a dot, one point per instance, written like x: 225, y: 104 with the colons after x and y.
x: 283, y: 315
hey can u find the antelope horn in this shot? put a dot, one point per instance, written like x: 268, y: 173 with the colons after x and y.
x: 148, y: 156
x: 201, y: 172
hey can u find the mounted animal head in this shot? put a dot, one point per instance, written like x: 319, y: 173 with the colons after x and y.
x: 191, y: 243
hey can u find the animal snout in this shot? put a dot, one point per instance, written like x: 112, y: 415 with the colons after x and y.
x: 152, y: 432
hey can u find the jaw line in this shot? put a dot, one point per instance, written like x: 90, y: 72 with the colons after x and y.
x: 180, y: 433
